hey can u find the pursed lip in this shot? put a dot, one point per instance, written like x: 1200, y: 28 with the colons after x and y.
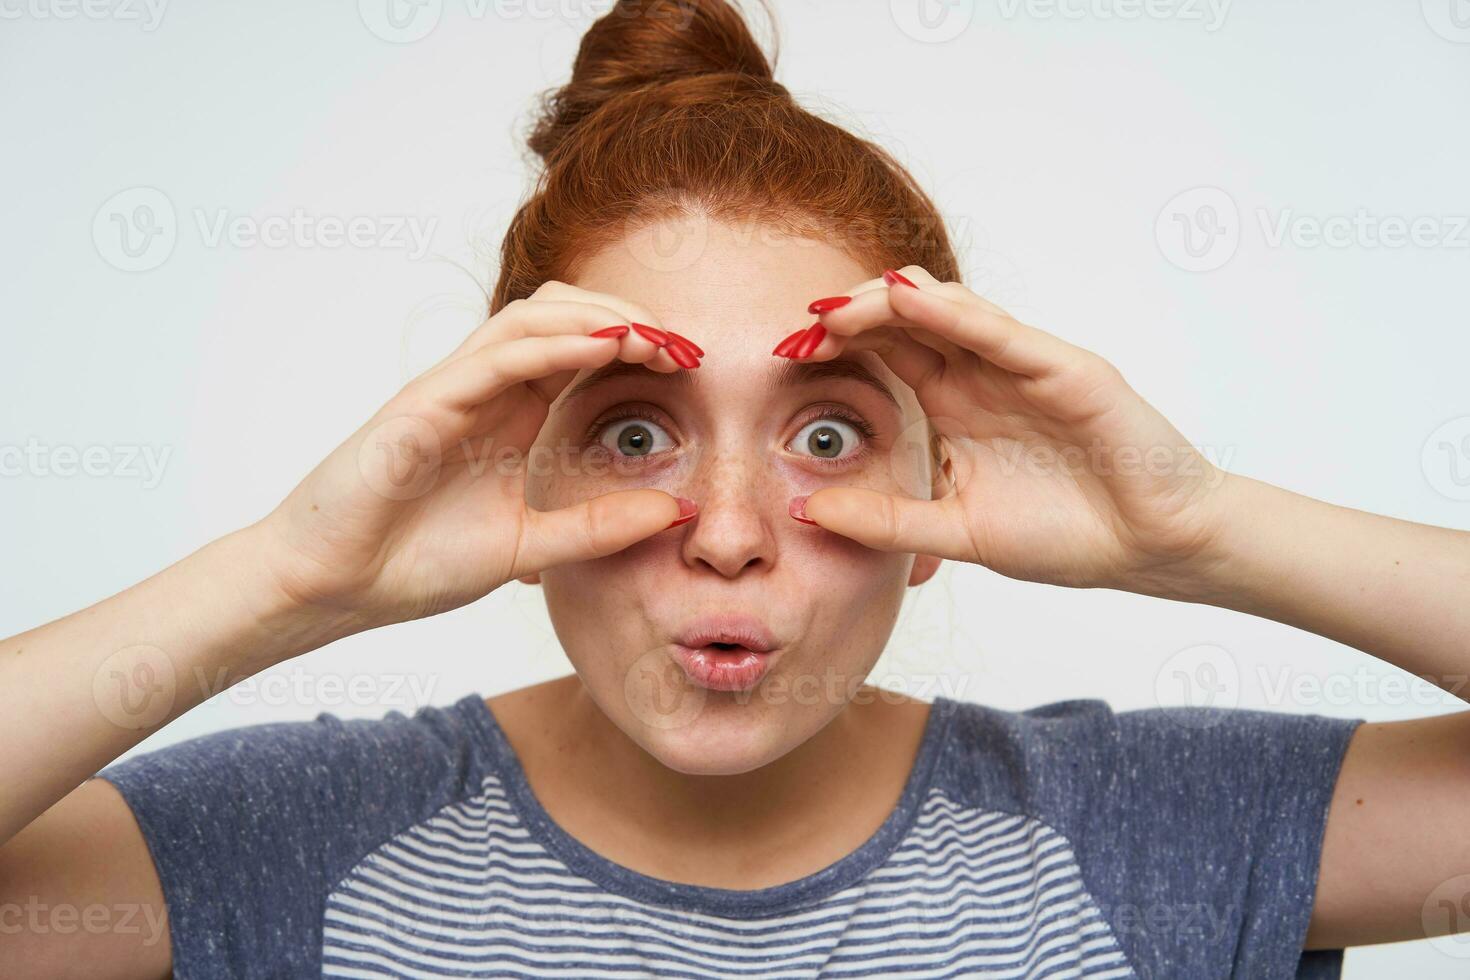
x: 746, y: 631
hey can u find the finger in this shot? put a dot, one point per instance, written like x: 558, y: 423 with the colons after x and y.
x: 481, y: 375
x: 595, y: 528
x: 554, y: 303
x: 888, y: 522
x: 1000, y: 339
x: 869, y: 308
x: 911, y: 362
x: 664, y: 349
x: 523, y: 318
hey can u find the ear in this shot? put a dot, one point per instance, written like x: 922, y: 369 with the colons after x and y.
x: 533, y: 579
x: 924, y: 568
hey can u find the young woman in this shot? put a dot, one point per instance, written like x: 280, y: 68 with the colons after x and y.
x: 723, y: 535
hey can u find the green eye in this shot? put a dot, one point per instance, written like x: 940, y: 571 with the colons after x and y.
x: 635, y: 437
x: 827, y: 439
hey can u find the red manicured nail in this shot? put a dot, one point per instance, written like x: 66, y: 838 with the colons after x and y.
x: 811, y: 341
x: 784, y: 348
x: 617, y: 331
x: 690, y: 353
x: 682, y: 355
x: 828, y: 304
x: 797, y: 509
x: 651, y: 334
x: 895, y: 278
x: 693, y: 347
x: 687, y: 510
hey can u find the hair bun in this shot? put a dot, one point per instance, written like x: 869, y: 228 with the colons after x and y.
x: 644, y: 43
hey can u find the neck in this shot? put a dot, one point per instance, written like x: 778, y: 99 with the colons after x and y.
x: 787, y: 818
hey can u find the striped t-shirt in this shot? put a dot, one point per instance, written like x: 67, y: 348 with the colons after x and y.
x: 1064, y: 841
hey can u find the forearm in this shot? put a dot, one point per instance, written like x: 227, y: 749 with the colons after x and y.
x: 83, y: 689
x: 1395, y: 589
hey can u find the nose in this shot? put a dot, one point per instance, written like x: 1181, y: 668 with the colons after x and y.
x: 738, y: 504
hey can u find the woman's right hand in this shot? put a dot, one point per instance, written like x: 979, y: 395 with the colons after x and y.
x: 423, y: 509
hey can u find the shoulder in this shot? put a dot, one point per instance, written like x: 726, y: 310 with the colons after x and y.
x: 250, y: 828
x: 1078, y: 764
x: 1202, y: 824
x: 443, y: 746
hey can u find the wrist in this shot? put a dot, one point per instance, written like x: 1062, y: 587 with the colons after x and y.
x: 275, y: 625
x: 1197, y: 564
x: 1237, y: 514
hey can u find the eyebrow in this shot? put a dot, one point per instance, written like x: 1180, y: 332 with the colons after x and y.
x: 788, y: 375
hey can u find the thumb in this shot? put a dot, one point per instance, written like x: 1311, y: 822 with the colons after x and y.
x: 887, y: 522
x: 597, y: 527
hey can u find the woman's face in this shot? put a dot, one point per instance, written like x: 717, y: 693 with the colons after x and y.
x: 740, y: 435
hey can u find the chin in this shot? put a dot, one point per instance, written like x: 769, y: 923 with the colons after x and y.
x: 723, y: 738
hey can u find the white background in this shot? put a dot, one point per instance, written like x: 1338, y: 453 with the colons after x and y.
x: 1057, y: 139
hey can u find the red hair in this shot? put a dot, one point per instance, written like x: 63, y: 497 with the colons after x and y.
x: 673, y: 110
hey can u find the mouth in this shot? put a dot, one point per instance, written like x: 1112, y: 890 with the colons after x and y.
x: 725, y: 653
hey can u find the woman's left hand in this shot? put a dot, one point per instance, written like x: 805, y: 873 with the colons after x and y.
x: 1059, y: 471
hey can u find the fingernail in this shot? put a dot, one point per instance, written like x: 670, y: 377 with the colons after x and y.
x: 698, y: 352
x: 683, y: 350
x: 783, y: 349
x: 681, y: 354
x: 811, y: 341
x: 617, y: 331
x: 687, y: 510
x: 895, y: 278
x: 828, y: 304
x: 651, y: 334
x: 797, y: 509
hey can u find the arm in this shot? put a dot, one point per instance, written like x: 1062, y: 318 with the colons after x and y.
x: 83, y: 859
x: 101, y: 680
x: 1059, y: 472
x: 401, y: 521
x: 1400, y: 591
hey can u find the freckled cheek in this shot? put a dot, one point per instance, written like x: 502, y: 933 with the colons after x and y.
x: 558, y: 477
x: 602, y: 604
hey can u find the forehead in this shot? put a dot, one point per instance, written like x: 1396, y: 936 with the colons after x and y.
x: 720, y: 276
x: 736, y: 290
